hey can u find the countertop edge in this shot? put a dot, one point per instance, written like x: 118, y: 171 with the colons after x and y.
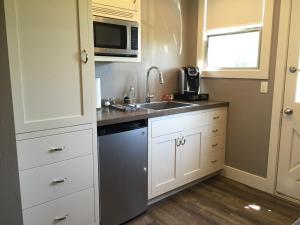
x: 154, y: 114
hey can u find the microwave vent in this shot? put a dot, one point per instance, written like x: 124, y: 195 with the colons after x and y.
x: 106, y: 11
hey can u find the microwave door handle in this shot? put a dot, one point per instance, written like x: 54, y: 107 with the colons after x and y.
x: 128, y: 38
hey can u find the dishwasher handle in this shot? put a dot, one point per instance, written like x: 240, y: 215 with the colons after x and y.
x: 121, y: 127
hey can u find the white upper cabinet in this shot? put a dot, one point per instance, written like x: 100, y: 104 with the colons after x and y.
x: 118, y: 9
x: 52, y: 78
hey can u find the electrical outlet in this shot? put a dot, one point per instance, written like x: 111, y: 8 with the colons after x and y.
x: 264, y: 86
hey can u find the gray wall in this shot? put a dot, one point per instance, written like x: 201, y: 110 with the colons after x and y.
x: 164, y: 44
x: 249, y: 118
x: 10, y: 202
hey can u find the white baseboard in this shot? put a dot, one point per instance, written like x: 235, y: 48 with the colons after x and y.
x: 248, y: 179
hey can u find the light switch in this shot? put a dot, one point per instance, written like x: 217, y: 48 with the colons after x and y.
x: 264, y: 86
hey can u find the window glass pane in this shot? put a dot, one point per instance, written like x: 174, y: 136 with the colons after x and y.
x: 238, y: 50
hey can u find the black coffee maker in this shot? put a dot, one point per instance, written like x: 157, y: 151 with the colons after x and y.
x: 190, y: 85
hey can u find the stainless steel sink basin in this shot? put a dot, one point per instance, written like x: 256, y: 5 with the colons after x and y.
x: 164, y: 105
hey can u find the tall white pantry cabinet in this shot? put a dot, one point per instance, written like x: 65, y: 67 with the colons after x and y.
x: 52, y: 76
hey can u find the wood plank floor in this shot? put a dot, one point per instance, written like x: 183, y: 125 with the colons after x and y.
x: 219, y: 201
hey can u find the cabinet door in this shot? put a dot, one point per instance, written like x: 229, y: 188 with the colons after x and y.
x: 52, y: 82
x: 190, y: 154
x: 164, y: 161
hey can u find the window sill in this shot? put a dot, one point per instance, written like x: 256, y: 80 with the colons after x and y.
x: 236, y: 74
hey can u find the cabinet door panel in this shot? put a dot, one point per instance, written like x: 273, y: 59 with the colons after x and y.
x: 51, y: 85
x: 191, y: 154
x: 164, y: 161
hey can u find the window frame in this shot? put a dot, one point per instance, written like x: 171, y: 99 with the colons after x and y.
x: 262, y: 72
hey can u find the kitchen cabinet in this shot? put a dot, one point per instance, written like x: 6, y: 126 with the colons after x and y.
x: 164, y: 155
x: 190, y: 154
x: 184, y: 148
x: 50, y: 53
x: 175, y: 158
x: 49, y: 43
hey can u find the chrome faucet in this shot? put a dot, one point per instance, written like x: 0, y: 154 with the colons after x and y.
x: 161, y: 81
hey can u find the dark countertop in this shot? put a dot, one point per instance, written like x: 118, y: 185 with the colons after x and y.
x: 108, y: 116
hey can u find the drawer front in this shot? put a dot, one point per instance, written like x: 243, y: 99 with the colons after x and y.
x: 217, y: 116
x: 214, y: 130
x: 46, y: 183
x: 176, y: 124
x: 212, y: 144
x: 214, y: 161
x: 51, y: 149
x: 76, y: 209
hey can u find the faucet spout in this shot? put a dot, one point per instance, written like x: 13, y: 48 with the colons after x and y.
x: 161, y: 81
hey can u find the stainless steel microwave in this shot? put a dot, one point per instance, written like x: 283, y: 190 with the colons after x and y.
x: 113, y: 37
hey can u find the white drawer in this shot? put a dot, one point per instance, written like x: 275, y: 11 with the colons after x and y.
x: 213, y: 161
x: 41, y: 151
x: 78, y: 209
x: 216, y: 116
x: 214, y: 130
x: 178, y: 123
x: 46, y: 183
x: 214, y: 144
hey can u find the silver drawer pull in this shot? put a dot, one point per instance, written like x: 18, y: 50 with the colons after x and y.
x: 54, y: 182
x: 59, y: 219
x: 52, y: 150
x: 183, y: 141
x: 178, y: 142
x: 298, y: 180
x: 216, y: 117
x: 215, y: 131
x: 215, y: 145
x: 214, y: 161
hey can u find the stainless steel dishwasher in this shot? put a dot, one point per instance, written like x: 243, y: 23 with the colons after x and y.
x: 123, y: 163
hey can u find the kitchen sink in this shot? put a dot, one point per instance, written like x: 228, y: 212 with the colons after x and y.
x: 164, y: 105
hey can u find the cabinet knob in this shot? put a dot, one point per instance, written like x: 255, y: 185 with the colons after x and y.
x: 215, y: 145
x: 215, y: 131
x: 288, y: 111
x: 216, y: 117
x: 84, y: 56
x: 214, y: 161
x: 293, y: 69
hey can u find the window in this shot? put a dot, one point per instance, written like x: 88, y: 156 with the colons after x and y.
x: 234, y: 38
x: 239, y: 50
